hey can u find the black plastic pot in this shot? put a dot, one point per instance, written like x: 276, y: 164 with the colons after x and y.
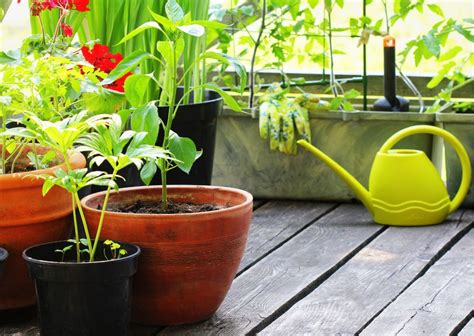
x: 82, y: 298
x: 3, y: 259
x: 198, y: 122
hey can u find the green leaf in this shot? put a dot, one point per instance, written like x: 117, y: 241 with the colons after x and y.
x: 464, y: 32
x: 47, y: 185
x: 147, y: 172
x: 351, y: 94
x: 450, y: 54
x: 436, y: 9
x: 313, y: 3
x: 9, y: 56
x: 146, y: 119
x: 174, y: 11
x: 432, y: 43
x: 164, y: 21
x: 418, y: 55
x: 229, y: 100
x: 165, y: 49
x: 193, y: 30
x: 128, y: 64
x: 236, y: 65
x: 183, y: 150
x: 441, y: 74
x: 136, y: 87
x: 143, y: 27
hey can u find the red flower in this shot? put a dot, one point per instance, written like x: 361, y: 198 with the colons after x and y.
x: 81, y: 5
x: 101, y: 58
x: 38, y: 6
x: 67, y: 29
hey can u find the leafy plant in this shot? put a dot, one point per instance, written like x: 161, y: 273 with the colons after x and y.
x: 175, y: 28
x: 104, y: 138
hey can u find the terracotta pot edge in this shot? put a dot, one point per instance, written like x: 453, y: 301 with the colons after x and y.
x: 240, y: 207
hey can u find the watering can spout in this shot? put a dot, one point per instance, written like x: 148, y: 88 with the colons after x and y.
x: 361, y: 192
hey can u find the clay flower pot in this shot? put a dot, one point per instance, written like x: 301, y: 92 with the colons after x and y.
x: 189, y: 260
x: 26, y: 219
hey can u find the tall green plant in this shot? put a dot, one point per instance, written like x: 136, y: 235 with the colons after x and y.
x: 174, y: 27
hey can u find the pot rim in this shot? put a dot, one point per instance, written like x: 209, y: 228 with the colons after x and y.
x: 3, y: 254
x: 73, y: 263
x: 248, y: 200
x: 10, y: 181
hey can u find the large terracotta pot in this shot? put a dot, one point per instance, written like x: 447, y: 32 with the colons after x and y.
x: 188, y: 261
x: 26, y: 219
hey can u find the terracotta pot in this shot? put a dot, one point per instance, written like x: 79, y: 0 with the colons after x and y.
x: 188, y: 261
x: 26, y: 219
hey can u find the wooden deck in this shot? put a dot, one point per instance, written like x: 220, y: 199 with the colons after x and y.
x: 327, y: 269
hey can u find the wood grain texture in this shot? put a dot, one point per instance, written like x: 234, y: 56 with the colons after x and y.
x: 368, y: 282
x: 280, y: 277
x: 468, y: 329
x: 277, y: 221
x: 437, y: 301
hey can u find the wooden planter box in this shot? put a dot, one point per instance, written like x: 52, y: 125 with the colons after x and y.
x: 461, y: 126
x: 244, y: 160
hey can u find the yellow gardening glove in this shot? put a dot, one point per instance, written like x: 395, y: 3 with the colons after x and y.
x: 275, y: 126
x: 265, y: 110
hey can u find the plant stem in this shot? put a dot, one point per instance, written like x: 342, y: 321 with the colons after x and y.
x: 254, y: 55
x: 4, y: 141
x: 83, y: 219
x: 102, y: 216
x: 332, y: 78
x: 169, y: 122
x: 76, y: 229
x: 17, y: 156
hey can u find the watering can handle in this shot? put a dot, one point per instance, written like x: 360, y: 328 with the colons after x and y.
x: 453, y: 141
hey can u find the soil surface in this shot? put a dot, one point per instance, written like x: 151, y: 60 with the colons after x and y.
x: 142, y: 207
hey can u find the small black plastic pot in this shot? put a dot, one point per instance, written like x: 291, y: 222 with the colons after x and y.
x: 197, y: 121
x: 3, y: 259
x: 82, y: 298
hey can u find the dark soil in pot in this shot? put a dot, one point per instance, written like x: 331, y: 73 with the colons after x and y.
x: 87, y: 298
x: 147, y: 207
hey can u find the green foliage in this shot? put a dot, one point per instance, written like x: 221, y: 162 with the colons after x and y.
x: 178, y: 29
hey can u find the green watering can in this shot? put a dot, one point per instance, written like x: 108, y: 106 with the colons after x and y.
x: 405, y: 188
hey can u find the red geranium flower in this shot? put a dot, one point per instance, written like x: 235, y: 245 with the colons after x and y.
x: 67, y: 29
x: 37, y: 6
x: 101, y: 58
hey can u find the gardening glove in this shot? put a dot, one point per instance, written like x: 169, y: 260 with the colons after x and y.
x: 300, y: 117
x: 265, y: 110
x: 275, y: 120
x: 287, y: 129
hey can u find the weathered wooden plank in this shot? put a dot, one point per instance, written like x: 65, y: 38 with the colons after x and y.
x: 277, y: 221
x: 369, y: 281
x: 437, y: 301
x: 468, y: 329
x: 288, y: 272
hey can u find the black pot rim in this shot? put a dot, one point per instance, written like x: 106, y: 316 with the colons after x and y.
x: 76, y: 264
x: 3, y: 254
x: 206, y: 102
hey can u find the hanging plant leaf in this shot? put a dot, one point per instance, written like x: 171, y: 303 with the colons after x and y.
x: 174, y: 11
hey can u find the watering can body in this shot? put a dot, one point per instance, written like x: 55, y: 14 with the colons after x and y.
x: 405, y: 189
